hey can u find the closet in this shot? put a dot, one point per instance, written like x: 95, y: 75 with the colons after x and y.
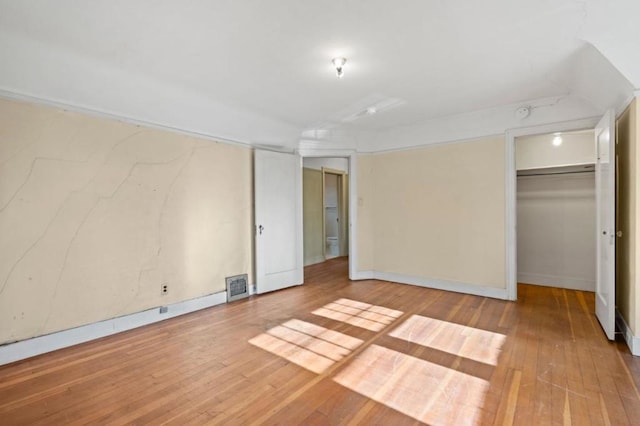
x: 556, y: 210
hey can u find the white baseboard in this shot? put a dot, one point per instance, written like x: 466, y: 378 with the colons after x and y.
x: 363, y: 275
x: 314, y: 260
x: 557, y: 281
x: 23, y: 349
x: 632, y: 341
x: 458, y: 287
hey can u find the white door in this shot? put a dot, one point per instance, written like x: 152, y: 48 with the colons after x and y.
x: 331, y: 209
x: 278, y: 215
x: 605, y: 217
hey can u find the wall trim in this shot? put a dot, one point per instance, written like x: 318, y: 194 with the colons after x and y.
x: 447, y: 285
x: 572, y: 283
x: 352, y: 172
x: 364, y: 275
x: 28, y: 348
x: 94, y: 112
x: 632, y: 341
x: 314, y: 260
x: 511, y: 246
x: 433, y: 144
x: 510, y: 189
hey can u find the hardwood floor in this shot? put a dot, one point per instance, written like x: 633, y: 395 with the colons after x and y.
x: 340, y: 352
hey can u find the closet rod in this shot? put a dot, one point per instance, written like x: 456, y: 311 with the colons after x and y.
x: 557, y: 173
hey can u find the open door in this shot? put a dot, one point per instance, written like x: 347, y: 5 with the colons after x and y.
x: 278, y: 215
x: 605, y: 219
x: 334, y: 217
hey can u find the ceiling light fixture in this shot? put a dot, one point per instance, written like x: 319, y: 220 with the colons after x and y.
x: 557, y: 139
x: 339, y: 64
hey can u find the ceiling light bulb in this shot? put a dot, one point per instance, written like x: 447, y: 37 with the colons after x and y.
x: 557, y: 140
x: 371, y: 110
x: 339, y: 64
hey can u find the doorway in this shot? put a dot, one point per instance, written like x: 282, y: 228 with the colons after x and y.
x: 605, y: 175
x: 335, y: 202
x: 325, y: 208
x: 556, y: 210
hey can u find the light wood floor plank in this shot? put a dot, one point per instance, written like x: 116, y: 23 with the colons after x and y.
x: 553, y: 364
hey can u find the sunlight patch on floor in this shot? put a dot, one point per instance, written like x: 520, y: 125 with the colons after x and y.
x: 331, y: 336
x: 360, y: 314
x: 425, y: 391
x: 308, y: 345
x: 468, y: 342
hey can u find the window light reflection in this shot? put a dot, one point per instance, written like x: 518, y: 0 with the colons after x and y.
x: 422, y: 390
x: 308, y: 345
x: 468, y: 342
x: 360, y: 314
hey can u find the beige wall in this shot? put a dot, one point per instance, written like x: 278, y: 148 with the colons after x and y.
x: 312, y: 216
x: 627, y: 256
x: 96, y: 214
x: 435, y: 212
x: 365, y: 202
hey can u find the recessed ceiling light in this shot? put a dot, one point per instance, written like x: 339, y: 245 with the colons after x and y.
x: 557, y: 140
x: 339, y: 64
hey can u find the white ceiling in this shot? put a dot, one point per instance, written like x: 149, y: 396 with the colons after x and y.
x: 260, y: 71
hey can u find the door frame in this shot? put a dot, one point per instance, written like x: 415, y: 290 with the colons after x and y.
x: 339, y: 208
x: 511, y: 269
x: 352, y: 161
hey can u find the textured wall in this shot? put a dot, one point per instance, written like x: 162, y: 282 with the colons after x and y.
x: 96, y: 214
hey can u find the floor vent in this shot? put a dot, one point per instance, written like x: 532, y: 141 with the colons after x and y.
x: 237, y: 287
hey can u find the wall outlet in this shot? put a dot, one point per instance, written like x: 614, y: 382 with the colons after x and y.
x: 164, y: 309
x: 164, y: 289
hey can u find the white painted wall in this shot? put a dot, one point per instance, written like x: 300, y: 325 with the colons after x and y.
x: 484, y: 123
x: 538, y: 151
x: 556, y: 219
